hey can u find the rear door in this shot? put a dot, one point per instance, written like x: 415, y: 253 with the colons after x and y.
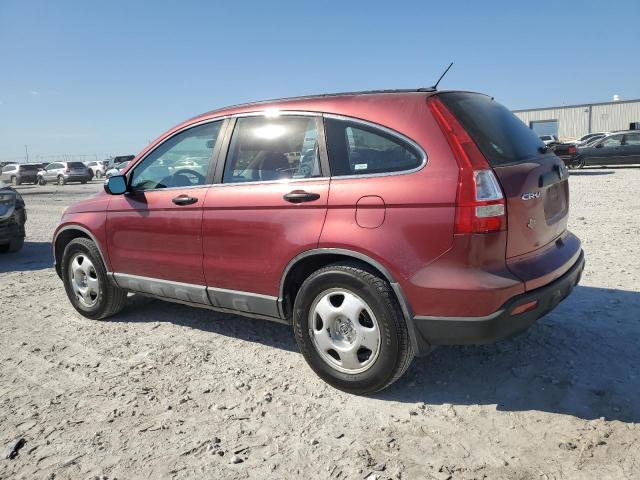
x: 268, y: 206
x: 608, y: 151
x: 534, y: 180
x: 155, y: 230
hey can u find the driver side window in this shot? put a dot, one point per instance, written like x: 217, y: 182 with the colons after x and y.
x: 613, y: 141
x: 181, y: 161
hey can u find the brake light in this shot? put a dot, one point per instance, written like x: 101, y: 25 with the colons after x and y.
x: 480, y: 204
x: 572, y: 150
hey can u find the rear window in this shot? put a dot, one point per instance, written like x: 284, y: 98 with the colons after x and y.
x: 500, y: 135
x: 76, y: 165
x: 29, y: 168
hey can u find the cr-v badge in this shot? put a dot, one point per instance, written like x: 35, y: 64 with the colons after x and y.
x: 530, y: 195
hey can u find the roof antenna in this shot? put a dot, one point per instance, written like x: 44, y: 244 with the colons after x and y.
x: 435, y: 87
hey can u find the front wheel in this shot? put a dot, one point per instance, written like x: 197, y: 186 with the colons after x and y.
x: 14, y: 245
x: 350, y: 329
x: 98, y: 174
x: 85, y: 279
x: 61, y: 180
x: 42, y: 181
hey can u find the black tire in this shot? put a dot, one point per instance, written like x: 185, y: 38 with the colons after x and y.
x: 61, y: 180
x: 42, y: 182
x: 111, y: 299
x: 15, y: 181
x: 83, y: 181
x: 578, y: 163
x: 98, y: 175
x: 90, y: 174
x: 395, y: 351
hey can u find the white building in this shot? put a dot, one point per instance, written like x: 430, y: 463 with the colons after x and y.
x: 573, y: 121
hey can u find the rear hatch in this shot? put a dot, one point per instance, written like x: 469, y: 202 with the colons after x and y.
x: 77, y: 168
x: 533, y: 179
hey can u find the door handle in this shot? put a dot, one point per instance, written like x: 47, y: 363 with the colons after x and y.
x: 299, y: 196
x: 184, y: 200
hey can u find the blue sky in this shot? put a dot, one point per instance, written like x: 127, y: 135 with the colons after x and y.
x: 107, y: 77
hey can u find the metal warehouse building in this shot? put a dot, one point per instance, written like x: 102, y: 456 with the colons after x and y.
x: 573, y: 121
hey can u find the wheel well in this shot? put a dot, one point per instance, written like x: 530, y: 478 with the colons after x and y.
x: 299, y: 272
x: 62, y: 241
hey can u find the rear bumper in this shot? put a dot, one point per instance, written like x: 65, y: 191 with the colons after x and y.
x: 501, y: 324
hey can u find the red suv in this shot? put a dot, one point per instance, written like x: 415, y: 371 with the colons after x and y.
x: 377, y: 224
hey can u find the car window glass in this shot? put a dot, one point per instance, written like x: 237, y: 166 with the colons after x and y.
x: 356, y: 149
x: 264, y: 149
x: 613, y: 141
x: 632, y: 139
x: 181, y: 161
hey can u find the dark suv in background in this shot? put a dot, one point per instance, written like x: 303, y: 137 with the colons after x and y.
x: 17, y: 174
x: 13, y: 216
x: 376, y: 224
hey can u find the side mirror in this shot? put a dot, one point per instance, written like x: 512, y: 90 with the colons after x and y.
x: 116, y: 185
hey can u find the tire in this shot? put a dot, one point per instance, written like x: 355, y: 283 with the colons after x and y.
x: 14, y: 245
x: 61, y: 180
x: 15, y: 181
x: 83, y: 181
x: 90, y: 174
x: 578, y: 163
x: 104, y: 298
x: 42, y: 182
x: 368, y: 370
x: 98, y: 174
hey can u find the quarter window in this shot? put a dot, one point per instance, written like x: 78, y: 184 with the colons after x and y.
x: 265, y: 149
x: 181, y: 161
x: 357, y: 149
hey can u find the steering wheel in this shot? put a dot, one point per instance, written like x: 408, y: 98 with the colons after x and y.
x: 201, y: 178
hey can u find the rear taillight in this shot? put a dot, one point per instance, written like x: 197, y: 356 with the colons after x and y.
x: 480, y: 205
x: 67, y: 170
x: 572, y: 150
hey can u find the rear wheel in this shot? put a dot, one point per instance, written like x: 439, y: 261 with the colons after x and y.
x: 42, y: 181
x: 350, y: 329
x: 84, y: 275
x: 577, y: 163
x: 61, y: 180
x: 98, y: 174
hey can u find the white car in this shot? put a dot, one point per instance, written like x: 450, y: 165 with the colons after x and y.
x: 96, y: 169
x: 117, y: 169
x: 547, y: 139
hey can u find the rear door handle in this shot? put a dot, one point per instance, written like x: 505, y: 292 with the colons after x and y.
x: 184, y: 200
x: 299, y: 196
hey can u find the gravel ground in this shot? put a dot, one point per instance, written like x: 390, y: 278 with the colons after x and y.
x: 168, y: 391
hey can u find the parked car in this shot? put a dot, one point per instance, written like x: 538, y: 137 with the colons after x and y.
x: 378, y: 225
x: 13, y: 216
x: 96, y: 169
x: 17, y: 174
x: 112, y: 162
x: 117, y: 169
x: 549, y: 139
x: 64, y: 172
x: 618, y: 148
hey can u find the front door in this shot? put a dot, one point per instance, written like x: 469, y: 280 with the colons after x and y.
x: 269, y: 206
x: 154, y: 230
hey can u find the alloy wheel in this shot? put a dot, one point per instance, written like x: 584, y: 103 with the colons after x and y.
x: 84, y: 280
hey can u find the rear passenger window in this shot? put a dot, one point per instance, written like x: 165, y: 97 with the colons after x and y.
x: 266, y: 149
x: 357, y: 149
